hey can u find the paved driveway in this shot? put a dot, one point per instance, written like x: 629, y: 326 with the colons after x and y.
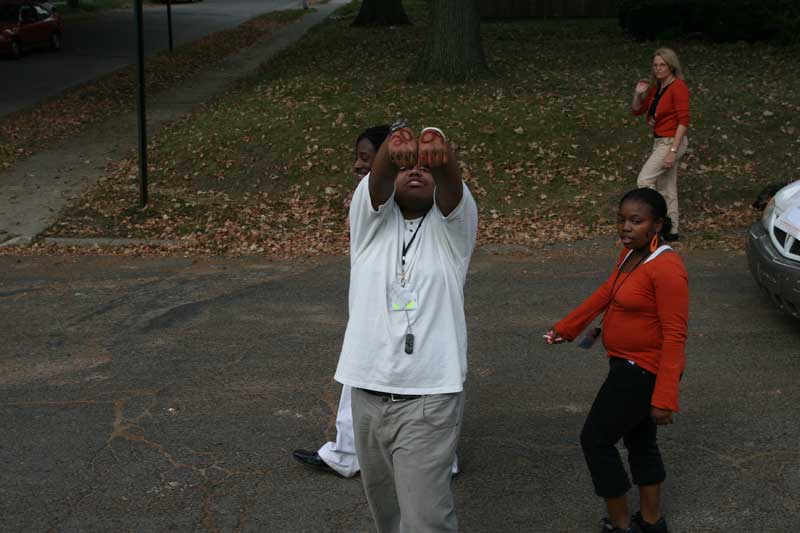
x: 167, y: 395
x: 98, y: 45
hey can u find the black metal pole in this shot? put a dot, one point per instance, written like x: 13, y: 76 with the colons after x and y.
x: 169, y: 22
x: 141, y: 106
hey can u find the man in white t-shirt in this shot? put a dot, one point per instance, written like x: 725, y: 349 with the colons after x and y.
x: 413, y: 224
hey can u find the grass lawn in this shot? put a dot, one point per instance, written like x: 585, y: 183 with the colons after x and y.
x: 548, y: 146
x: 77, y: 109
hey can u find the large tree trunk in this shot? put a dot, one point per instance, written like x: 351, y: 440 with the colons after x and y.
x: 452, y: 51
x: 381, y: 13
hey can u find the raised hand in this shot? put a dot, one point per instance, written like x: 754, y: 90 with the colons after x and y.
x: 642, y: 86
x: 433, y: 149
x: 403, y: 148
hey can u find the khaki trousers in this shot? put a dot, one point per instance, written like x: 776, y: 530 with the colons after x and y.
x: 406, y: 450
x: 664, y: 180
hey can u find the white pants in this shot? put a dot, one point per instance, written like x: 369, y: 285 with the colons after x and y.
x: 341, y: 455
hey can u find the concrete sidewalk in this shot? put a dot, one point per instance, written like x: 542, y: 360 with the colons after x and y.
x: 34, y: 190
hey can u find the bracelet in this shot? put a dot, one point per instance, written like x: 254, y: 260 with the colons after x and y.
x: 398, y: 125
x: 673, y: 150
x: 437, y: 130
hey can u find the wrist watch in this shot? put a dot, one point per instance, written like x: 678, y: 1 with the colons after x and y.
x: 398, y: 124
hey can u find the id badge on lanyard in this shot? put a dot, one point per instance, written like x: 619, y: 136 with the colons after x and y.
x: 402, y: 294
x: 402, y: 298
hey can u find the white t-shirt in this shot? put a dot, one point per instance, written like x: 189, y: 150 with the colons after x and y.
x: 373, y: 354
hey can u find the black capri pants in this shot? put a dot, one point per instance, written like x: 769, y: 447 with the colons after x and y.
x: 621, y: 410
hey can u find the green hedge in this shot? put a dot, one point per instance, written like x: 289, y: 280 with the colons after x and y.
x: 718, y: 20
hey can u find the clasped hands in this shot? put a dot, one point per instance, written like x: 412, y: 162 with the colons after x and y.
x: 429, y: 150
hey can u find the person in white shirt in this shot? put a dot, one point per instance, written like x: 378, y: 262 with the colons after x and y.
x: 339, y: 456
x: 413, y: 224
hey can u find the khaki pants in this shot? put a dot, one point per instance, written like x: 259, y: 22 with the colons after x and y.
x: 406, y: 450
x: 664, y: 180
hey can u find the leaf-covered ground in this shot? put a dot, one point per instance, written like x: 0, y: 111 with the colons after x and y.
x: 547, y: 147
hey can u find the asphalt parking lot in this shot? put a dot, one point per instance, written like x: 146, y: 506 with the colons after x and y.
x: 166, y: 394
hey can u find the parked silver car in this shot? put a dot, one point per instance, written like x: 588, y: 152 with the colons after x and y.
x: 773, y: 249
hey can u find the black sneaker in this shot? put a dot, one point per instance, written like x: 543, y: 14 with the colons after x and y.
x: 607, y: 527
x: 646, y: 527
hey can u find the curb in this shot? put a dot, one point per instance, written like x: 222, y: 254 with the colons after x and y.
x: 88, y: 242
x: 16, y: 241
x: 66, y: 241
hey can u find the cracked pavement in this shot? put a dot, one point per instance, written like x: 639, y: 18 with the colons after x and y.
x: 166, y: 394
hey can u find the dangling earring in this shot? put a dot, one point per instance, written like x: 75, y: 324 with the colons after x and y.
x: 654, y: 243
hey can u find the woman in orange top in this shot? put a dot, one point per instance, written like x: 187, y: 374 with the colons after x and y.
x: 644, y: 332
x: 665, y: 100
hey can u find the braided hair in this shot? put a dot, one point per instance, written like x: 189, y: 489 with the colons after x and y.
x: 653, y: 199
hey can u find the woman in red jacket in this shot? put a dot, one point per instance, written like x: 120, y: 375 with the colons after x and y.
x: 665, y: 100
x: 645, y: 300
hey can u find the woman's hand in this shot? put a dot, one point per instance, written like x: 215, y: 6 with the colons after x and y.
x: 553, y: 337
x: 669, y: 159
x: 662, y: 417
x: 432, y: 149
x: 403, y: 148
x: 641, y: 87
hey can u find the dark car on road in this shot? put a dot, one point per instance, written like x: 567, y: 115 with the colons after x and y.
x: 773, y: 249
x: 28, y: 25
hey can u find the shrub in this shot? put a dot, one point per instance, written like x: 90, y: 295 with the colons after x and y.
x: 719, y: 20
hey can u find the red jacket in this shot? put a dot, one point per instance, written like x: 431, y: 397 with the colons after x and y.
x: 672, y: 110
x: 645, y: 323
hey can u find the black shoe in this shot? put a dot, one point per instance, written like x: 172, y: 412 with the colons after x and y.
x: 646, y: 527
x: 607, y: 527
x: 312, y: 459
x: 671, y: 237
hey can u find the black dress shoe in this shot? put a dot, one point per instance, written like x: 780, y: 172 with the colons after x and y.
x: 311, y: 459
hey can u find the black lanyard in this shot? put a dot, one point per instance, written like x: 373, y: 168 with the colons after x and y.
x: 619, y: 271
x: 590, y: 338
x: 407, y: 245
x: 657, y: 99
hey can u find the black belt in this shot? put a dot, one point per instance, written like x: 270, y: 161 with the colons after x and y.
x: 390, y: 396
x: 619, y: 360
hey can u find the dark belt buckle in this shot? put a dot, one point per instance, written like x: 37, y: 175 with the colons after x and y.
x: 397, y: 397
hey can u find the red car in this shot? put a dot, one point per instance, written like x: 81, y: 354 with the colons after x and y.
x: 28, y: 25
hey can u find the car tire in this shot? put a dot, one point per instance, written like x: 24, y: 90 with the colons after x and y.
x: 16, y: 49
x: 55, y: 41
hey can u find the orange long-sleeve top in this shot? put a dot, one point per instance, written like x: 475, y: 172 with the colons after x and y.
x: 672, y: 109
x: 646, y: 321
